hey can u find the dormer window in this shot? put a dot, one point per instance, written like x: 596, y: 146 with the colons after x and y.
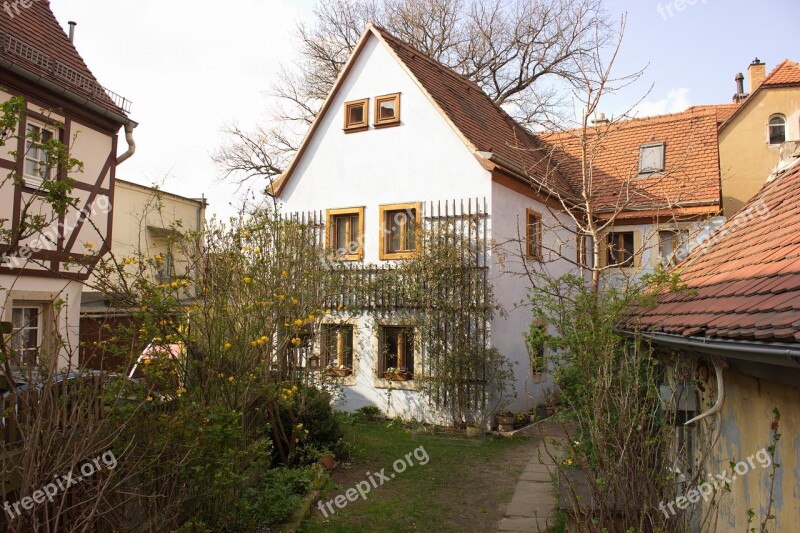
x: 777, y: 129
x: 651, y: 158
x: 355, y: 115
x: 387, y: 110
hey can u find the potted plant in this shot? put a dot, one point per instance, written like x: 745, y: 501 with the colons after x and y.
x: 327, y: 460
x: 398, y: 374
x: 505, y: 421
x: 543, y: 411
x: 521, y: 419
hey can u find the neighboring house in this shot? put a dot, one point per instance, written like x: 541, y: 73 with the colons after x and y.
x: 146, y: 221
x: 739, y: 318
x: 751, y: 138
x: 656, y: 178
x: 41, y: 287
x: 401, y: 133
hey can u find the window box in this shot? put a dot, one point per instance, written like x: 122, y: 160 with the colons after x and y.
x: 398, y: 376
x: 400, y: 224
x: 356, y: 115
x: 338, y: 372
x: 396, y: 353
x: 387, y: 110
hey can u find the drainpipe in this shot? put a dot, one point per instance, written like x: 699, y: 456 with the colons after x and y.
x: 129, y: 126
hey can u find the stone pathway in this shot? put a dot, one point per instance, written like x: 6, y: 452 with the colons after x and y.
x: 533, y: 507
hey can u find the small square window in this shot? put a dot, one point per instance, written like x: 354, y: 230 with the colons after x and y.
x: 651, y: 158
x: 399, y: 226
x: 533, y: 235
x: 346, y: 233
x: 387, y: 110
x: 620, y: 249
x: 355, y: 115
x: 397, y: 351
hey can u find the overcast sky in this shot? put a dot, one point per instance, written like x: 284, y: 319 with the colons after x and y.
x: 191, y: 66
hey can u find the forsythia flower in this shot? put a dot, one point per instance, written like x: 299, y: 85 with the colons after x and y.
x: 300, y: 426
x: 295, y: 301
x: 184, y: 283
x: 311, y: 318
x: 298, y: 322
x: 285, y: 274
x: 281, y: 297
x: 174, y: 284
x: 246, y: 234
x: 231, y: 379
x: 147, y: 362
x: 144, y: 308
x: 89, y: 244
x: 180, y: 391
x: 149, y: 399
x: 256, y: 250
x: 227, y: 346
x: 248, y: 280
x: 296, y: 341
x: 127, y: 261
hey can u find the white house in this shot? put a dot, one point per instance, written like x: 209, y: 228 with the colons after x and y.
x: 400, y: 132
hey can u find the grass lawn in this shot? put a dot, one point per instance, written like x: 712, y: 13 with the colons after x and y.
x: 463, y: 487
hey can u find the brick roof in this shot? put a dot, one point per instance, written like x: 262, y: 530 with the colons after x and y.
x: 723, y: 111
x: 746, y: 284
x: 34, y: 39
x: 786, y: 73
x: 482, y: 122
x: 690, y: 181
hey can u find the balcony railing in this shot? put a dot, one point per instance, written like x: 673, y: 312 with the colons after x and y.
x: 12, y: 46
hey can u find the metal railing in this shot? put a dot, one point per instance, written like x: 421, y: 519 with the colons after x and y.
x: 10, y: 45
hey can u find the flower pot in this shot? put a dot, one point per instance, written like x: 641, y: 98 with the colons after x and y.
x: 402, y: 376
x: 327, y: 460
x: 505, y: 423
x: 338, y: 372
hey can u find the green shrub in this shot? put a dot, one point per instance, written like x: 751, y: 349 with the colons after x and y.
x: 369, y: 413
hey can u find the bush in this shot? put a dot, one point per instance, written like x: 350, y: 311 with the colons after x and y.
x: 369, y: 413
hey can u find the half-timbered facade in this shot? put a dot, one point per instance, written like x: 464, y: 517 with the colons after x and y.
x: 41, y: 276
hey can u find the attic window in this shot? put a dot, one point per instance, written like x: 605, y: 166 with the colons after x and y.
x: 355, y: 115
x: 777, y: 129
x: 651, y: 158
x: 387, y: 110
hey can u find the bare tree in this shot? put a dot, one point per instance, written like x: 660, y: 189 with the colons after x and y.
x: 517, y: 51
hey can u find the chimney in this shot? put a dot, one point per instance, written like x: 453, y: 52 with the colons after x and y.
x: 740, y: 94
x: 601, y: 120
x: 757, y: 71
x: 72, y: 25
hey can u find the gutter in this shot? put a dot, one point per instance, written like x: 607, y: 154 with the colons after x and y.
x: 777, y: 354
x: 58, y: 89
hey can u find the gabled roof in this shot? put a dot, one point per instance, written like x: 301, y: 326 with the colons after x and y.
x: 690, y: 184
x: 481, y: 124
x: 723, y: 111
x: 34, y: 40
x: 746, y: 284
x: 786, y: 74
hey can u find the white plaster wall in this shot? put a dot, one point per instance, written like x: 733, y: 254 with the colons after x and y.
x: 421, y: 159
x: 511, y: 287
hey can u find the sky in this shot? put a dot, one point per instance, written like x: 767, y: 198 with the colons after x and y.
x: 190, y: 67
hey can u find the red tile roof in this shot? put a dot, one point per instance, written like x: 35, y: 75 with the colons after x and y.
x: 746, y: 284
x: 33, y: 38
x: 482, y: 122
x: 723, y: 111
x: 690, y: 181
x: 785, y: 74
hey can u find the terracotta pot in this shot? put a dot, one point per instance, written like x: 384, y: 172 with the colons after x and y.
x: 327, y: 460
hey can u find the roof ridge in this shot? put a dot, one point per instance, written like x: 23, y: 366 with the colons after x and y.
x: 687, y: 114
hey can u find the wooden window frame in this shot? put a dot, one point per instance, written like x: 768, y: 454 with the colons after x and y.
x: 537, y: 254
x: 356, y: 126
x: 382, y: 123
x: 329, y: 238
x: 632, y: 262
x: 41, y: 330
x: 327, y: 329
x: 662, y: 164
x: 676, y: 244
x: 580, y: 245
x: 36, y: 181
x: 382, y: 365
x: 383, y: 244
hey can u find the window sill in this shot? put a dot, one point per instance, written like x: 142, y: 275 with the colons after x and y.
x: 389, y: 256
x: 382, y: 383
x: 381, y: 125
x: 356, y: 129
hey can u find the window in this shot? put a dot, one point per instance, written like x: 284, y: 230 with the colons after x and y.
x: 533, y: 235
x: 387, y: 110
x: 27, y: 326
x: 777, y: 129
x: 651, y: 158
x: 397, y: 350
x: 672, y: 246
x: 581, y: 249
x: 345, y: 233
x: 399, y: 226
x: 620, y: 249
x: 337, y: 346
x: 355, y: 115
x: 36, y: 170
x: 166, y: 268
